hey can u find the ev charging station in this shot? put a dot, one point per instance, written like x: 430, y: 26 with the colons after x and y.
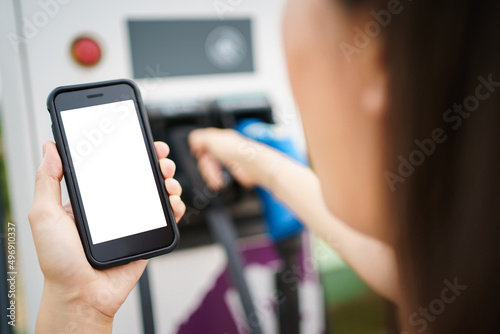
x: 189, y: 57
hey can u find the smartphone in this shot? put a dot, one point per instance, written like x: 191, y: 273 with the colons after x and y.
x: 112, y: 172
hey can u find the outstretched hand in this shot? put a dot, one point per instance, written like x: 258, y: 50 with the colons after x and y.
x: 216, y: 148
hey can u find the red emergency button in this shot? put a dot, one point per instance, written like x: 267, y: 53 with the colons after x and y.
x: 86, y: 51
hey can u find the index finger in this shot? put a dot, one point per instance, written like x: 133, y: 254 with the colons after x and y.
x: 162, y: 149
x: 196, y: 141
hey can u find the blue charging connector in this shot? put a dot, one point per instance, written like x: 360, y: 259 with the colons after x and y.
x: 281, y: 222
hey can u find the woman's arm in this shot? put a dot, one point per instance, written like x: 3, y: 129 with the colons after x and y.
x: 298, y: 187
x: 373, y: 260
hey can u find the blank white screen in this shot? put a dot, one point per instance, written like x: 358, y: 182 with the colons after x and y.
x: 113, y: 171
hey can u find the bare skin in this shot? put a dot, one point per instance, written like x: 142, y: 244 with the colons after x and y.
x: 255, y: 164
x: 75, y: 295
x: 342, y: 105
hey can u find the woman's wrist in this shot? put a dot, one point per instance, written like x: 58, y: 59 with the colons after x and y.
x: 270, y: 164
x: 68, y: 313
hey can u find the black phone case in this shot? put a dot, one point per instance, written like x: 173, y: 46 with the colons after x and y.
x: 69, y: 176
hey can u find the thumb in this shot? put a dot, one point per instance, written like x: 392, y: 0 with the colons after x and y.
x: 48, y: 181
x: 197, y: 140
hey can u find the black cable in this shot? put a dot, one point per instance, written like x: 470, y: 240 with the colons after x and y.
x: 287, y: 283
x: 223, y: 231
x: 219, y: 222
x: 148, y: 322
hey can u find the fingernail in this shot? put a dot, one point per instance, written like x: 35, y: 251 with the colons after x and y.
x: 44, y: 149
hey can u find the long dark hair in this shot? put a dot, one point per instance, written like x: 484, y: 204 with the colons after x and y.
x: 443, y: 160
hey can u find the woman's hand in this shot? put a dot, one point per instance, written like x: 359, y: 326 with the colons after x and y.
x: 243, y: 157
x: 75, y: 295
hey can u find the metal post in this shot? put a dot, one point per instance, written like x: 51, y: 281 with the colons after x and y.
x: 148, y: 322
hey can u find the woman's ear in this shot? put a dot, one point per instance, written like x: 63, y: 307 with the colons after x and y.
x: 373, y: 99
x: 372, y: 73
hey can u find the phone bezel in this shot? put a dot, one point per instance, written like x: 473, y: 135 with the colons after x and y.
x: 123, y: 250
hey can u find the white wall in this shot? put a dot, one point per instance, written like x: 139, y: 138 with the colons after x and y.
x: 32, y: 69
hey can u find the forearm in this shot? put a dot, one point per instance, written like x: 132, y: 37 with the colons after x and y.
x: 299, y: 188
x: 62, y: 313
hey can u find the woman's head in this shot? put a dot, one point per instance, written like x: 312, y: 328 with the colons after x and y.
x: 400, y: 102
x: 343, y: 100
